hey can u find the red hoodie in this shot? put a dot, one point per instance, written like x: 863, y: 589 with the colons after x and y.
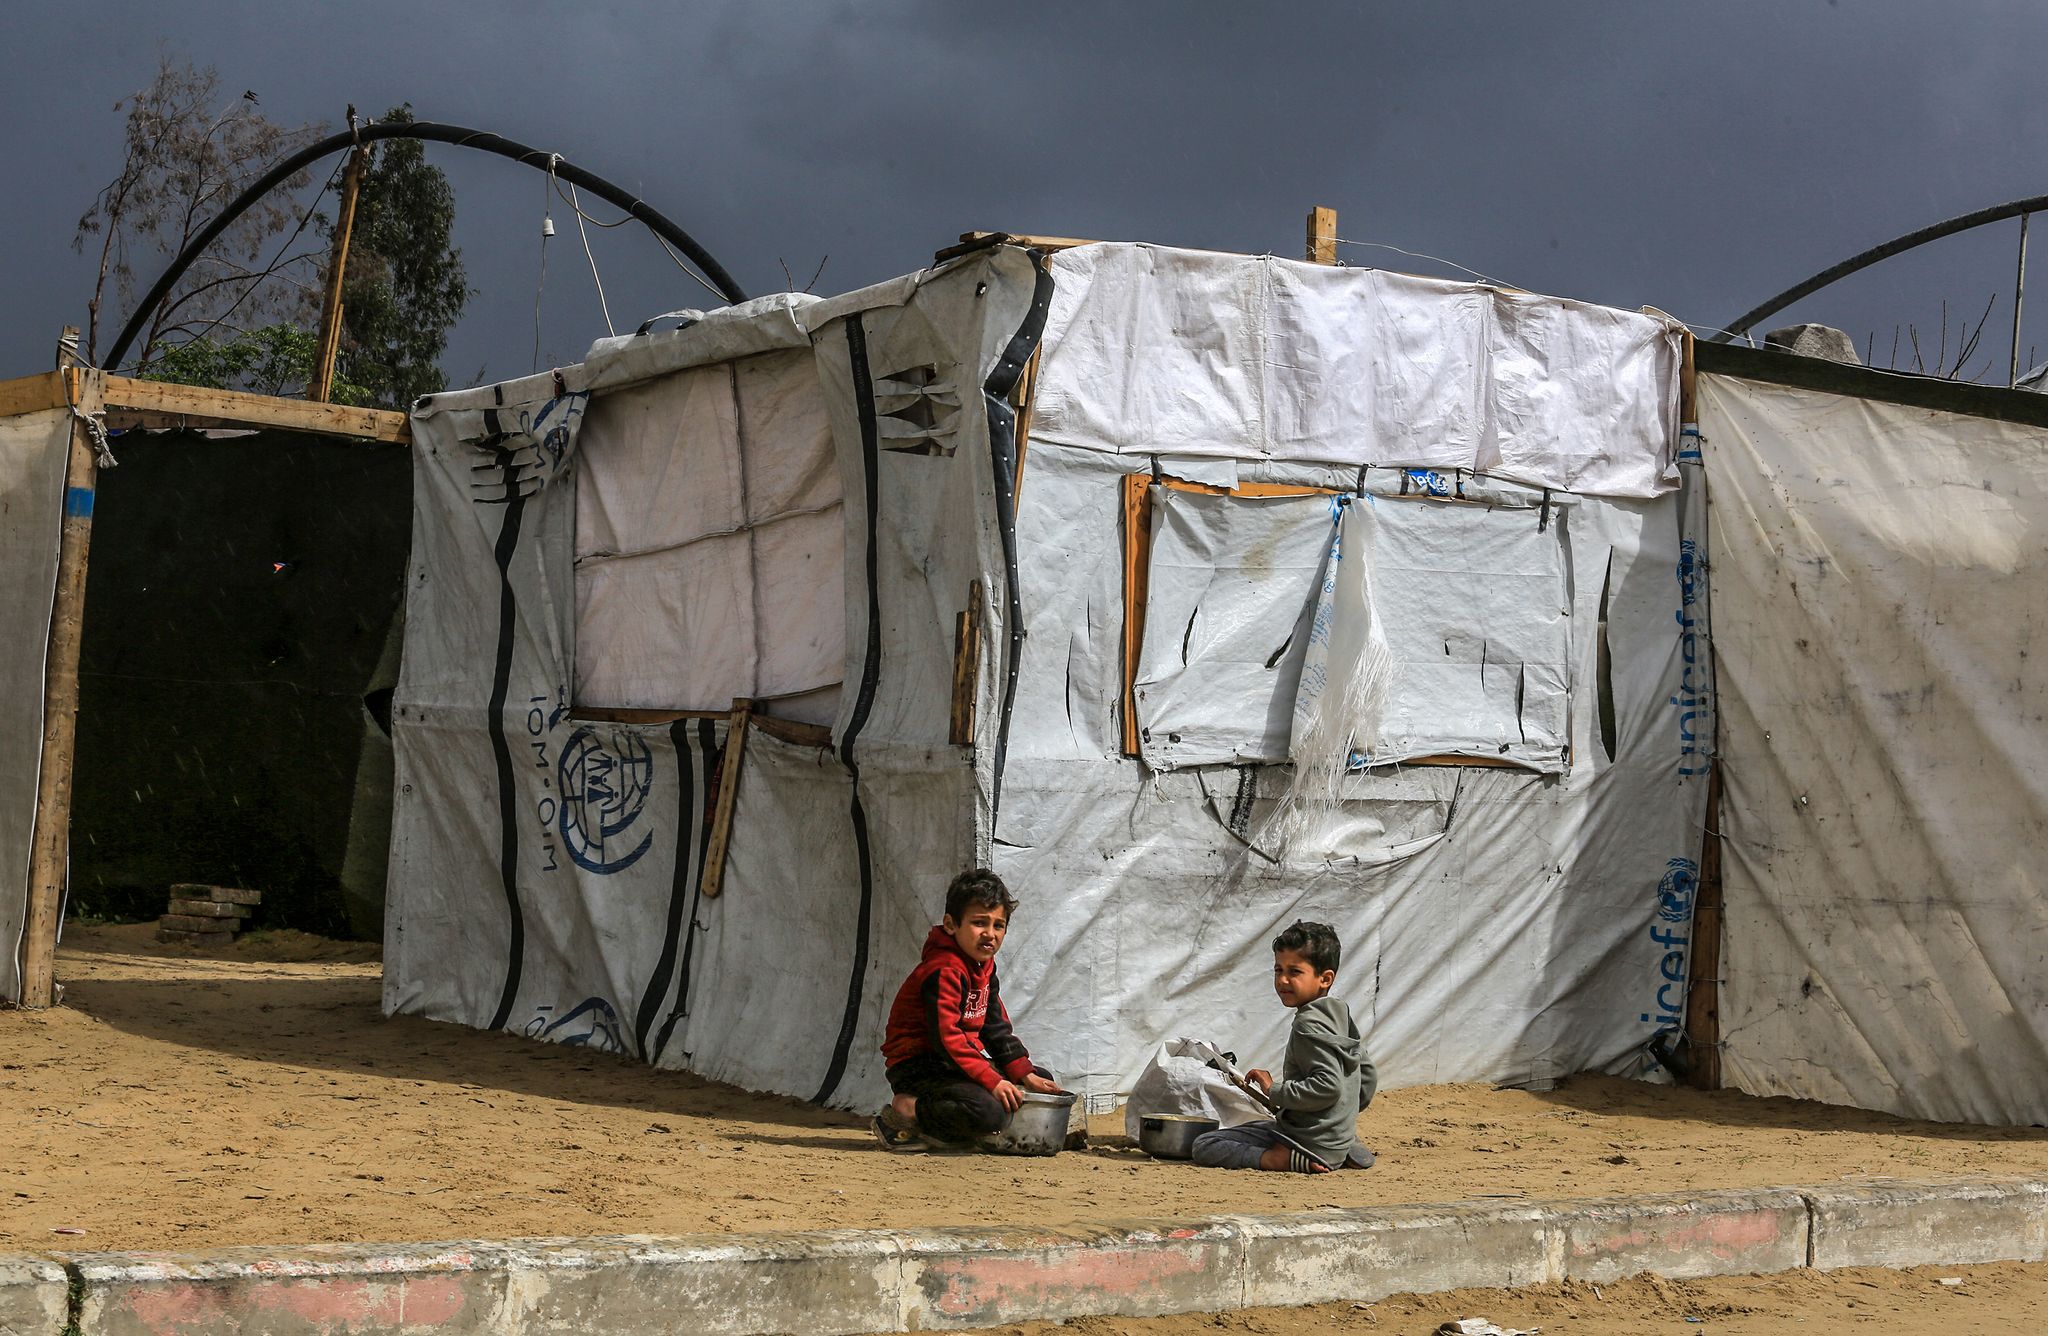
x: 949, y: 1007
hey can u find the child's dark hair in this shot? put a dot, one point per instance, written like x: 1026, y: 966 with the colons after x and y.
x: 1314, y: 942
x: 977, y: 888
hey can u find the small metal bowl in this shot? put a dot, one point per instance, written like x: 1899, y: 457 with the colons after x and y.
x: 1169, y: 1136
x: 1038, y: 1127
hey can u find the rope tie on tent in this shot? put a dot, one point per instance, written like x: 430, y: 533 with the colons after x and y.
x: 96, y: 427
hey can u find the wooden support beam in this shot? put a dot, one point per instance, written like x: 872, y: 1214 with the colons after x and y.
x: 322, y: 387
x: 175, y: 405
x: 1026, y: 239
x: 787, y: 730
x: 618, y: 714
x: 713, y: 880
x: 1322, y: 235
x: 791, y: 730
x: 50, y: 844
x: 966, y: 668
x: 32, y: 394
x: 1022, y: 398
x: 1137, y: 584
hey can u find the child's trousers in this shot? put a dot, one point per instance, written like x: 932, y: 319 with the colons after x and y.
x: 951, y: 1105
x: 1240, y: 1147
x: 1235, y: 1147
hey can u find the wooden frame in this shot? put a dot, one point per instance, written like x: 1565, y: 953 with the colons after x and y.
x: 1137, y: 499
x: 967, y: 629
x: 784, y: 730
x: 128, y: 402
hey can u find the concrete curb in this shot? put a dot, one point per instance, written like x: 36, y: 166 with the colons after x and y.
x: 837, y: 1282
x: 34, y: 1294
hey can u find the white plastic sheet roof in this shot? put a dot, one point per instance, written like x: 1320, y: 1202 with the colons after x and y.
x: 1152, y: 350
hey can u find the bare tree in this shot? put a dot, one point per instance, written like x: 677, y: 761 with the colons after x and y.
x: 189, y: 153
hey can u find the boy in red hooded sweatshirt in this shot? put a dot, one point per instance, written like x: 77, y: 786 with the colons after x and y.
x: 957, y: 1069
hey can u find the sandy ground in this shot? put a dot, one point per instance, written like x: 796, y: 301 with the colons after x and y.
x: 2007, y: 1299
x: 183, y: 1101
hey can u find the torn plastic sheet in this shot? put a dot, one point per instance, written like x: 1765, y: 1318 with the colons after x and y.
x: 1475, y: 602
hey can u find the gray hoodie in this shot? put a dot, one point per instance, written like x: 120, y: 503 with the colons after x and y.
x: 1325, y: 1082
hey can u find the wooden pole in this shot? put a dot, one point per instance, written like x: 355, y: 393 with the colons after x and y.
x: 322, y: 385
x: 50, y: 846
x: 1322, y: 235
x: 713, y: 878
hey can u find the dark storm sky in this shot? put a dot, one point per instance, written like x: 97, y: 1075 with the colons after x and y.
x: 1697, y: 157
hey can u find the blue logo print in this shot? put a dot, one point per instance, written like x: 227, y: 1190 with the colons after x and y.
x: 1675, y: 892
x: 603, y: 794
x: 591, y: 1023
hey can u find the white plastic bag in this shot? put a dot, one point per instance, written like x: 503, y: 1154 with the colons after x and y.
x: 1177, y: 1083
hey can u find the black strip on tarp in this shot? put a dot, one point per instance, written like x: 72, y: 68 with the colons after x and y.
x: 501, y: 750
x: 864, y: 701
x: 1002, y: 443
x: 682, y: 882
x: 707, y: 756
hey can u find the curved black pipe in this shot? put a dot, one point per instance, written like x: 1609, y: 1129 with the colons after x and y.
x: 1997, y: 213
x: 433, y: 132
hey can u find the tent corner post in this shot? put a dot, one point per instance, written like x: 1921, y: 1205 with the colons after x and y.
x: 1322, y: 236
x: 50, y: 844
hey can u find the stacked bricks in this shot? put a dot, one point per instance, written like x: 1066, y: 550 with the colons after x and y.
x: 206, y: 915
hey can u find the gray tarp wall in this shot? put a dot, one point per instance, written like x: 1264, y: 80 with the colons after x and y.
x: 637, y: 527
x: 545, y: 869
x: 1877, y: 582
x: 33, y: 449
x: 1504, y: 924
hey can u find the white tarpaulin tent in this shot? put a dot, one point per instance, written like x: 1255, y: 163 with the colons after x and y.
x: 1876, y: 579
x: 33, y: 449
x: 822, y: 507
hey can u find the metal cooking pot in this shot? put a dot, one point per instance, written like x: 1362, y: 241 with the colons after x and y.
x: 1169, y: 1136
x: 1038, y: 1127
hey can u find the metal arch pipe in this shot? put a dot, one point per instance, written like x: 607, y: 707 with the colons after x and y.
x: 1998, y: 213
x: 432, y: 132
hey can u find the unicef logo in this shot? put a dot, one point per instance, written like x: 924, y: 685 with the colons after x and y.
x: 1675, y: 891
x: 1688, y: 573
x: 603, y: 794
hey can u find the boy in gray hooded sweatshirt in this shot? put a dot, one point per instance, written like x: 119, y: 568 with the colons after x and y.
x: 1325, y: 1081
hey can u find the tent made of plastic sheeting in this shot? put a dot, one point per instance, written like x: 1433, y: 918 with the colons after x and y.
x: 1877, y: 580
x: 33, y: 449
x: 1073, y: 658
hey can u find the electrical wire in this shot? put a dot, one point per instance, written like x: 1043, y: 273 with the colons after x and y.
x: 547, y: 227
x: 1418, y: 255
x: 1484, y: 278
x: 659, y: 240
x: 703, y: 281
x: 602, y: 304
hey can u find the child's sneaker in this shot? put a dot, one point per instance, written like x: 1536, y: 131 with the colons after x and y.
x: 895, y: 1132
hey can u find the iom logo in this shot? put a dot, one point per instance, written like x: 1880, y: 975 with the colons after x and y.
x: 592, y: 1023
x: 604, y: 793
